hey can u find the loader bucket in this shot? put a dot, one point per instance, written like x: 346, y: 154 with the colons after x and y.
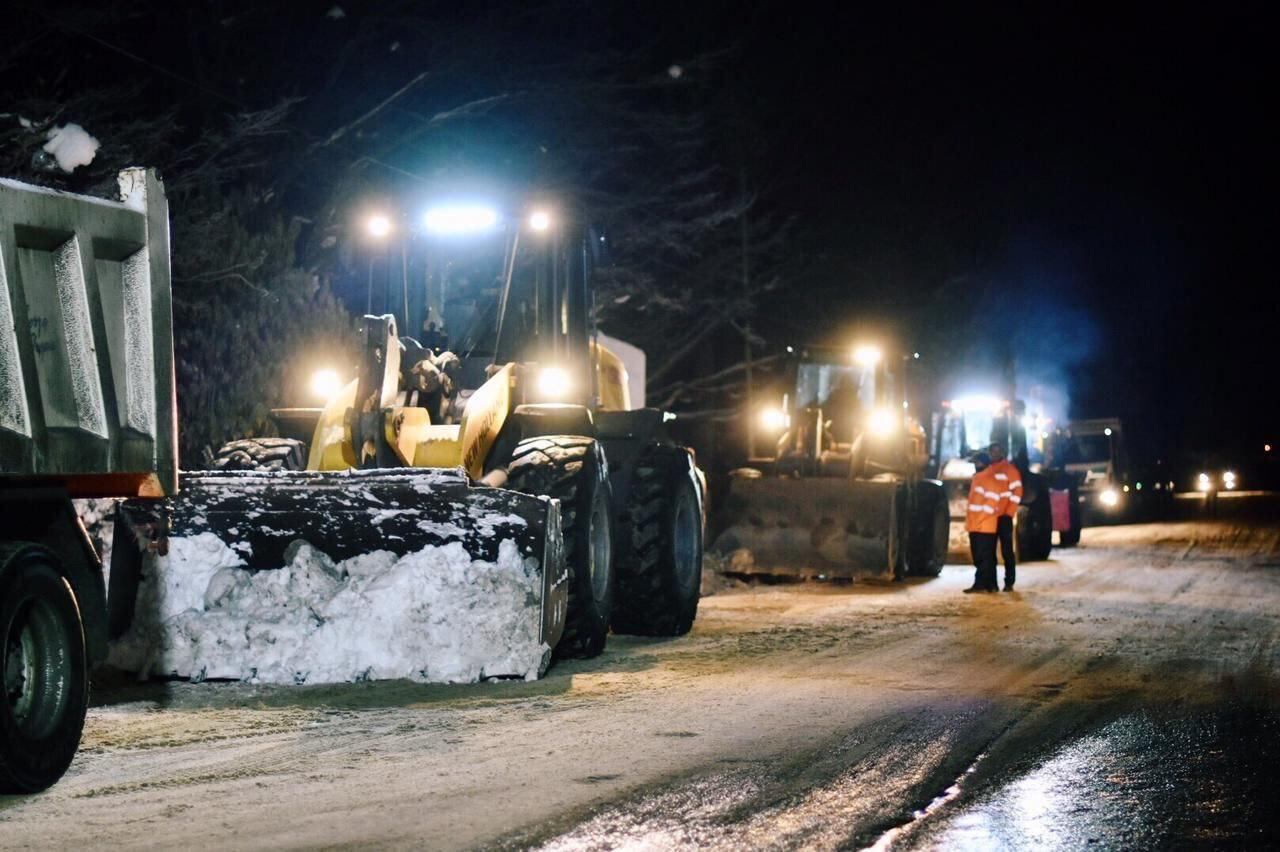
x: 809, y: 527
x: 309, y: 577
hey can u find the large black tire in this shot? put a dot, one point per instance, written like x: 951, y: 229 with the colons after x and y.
x: 261, y: 454
x: 660, y: 560
x: 1033, y: 536
x: 1071, y: 537
x: 929, y: 536
x: 44, y: 681
x: 573, y: 469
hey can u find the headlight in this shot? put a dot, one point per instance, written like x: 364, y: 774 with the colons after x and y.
x: 1203, y: 483
x: 1109, y: 498
x: 1229, y: 480
x: 774, y: 419
x: 324, y: 384
x: 553, y: 383
x: 881, y: 422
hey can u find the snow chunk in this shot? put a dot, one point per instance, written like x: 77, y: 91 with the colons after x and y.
x: 434, y: 615
x: 72, y: 146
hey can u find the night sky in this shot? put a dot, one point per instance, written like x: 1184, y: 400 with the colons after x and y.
x: 1088, y: 184
x: 1099, y: 179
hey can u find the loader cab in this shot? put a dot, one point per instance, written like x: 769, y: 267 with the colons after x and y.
x: 965, y: 426
x: 516, y: 293
x: 835, y: 412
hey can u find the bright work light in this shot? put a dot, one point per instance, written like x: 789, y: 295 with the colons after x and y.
x: 540, y: 220
x: 378, y: 226
x: 977, y: 403
x: 866, y: 356
x: 453, y: 219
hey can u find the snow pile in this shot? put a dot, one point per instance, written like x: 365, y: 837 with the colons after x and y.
x: 99, y: 518
x: 72, y: 146
x: 433, y: 615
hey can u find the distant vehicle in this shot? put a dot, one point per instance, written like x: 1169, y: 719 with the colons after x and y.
x: 1092, y: 452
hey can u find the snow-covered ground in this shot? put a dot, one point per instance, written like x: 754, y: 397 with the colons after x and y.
x: 802, y: 715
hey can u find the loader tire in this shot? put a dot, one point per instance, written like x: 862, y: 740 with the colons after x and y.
x: 44, y: 681
x: 573, y: 470
x: 1034, y: 533
x: 262, y: 454
x: 930, y: 535
x: 660, y: 563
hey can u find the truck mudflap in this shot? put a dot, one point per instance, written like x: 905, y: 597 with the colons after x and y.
x: 810, y: 527
x: 432, y: 521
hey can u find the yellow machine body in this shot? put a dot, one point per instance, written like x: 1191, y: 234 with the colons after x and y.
x: 417, y: 441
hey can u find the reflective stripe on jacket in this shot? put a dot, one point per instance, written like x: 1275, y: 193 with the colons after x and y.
x: 1010, y: 479
x: 986, y: 502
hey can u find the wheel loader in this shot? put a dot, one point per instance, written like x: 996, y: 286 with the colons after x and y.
x: 965, y: 426
x: 840, y: 491
x: 483, y: 409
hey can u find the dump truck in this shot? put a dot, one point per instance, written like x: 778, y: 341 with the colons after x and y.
x: 86, y: 410
x: 839, y: 491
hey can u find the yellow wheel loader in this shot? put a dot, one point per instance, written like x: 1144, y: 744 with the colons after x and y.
x: 840, y: 490
x: 498, y: 417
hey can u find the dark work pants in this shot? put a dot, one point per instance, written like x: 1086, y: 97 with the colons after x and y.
x: 1005, y: 532
x: 983, y: 547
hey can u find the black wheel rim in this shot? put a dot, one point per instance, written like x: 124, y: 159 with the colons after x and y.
x: 37, y: 661
x: 685, y: 542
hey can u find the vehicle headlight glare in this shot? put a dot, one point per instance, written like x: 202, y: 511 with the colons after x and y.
x: 1110, y: 498
x: 325, y: 383
x: 553, y: 383
x: 881, y: 422
x: 773, y: 419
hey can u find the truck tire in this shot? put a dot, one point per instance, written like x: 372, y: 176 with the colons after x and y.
x: 573, y: 470
x: 930, y: 535
x: 261, y: 454
x: 1033, y: 536
x: 660, y: 563
x: 43, y: 670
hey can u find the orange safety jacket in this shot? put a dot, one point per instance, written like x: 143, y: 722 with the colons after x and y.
x: 1010, y: 479
x: 986, y: 502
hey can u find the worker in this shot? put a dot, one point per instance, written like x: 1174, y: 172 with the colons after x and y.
x: 1010, y: 479
x: 982, y: 521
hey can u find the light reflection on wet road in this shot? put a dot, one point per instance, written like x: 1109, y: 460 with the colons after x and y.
x: 1143, y: 781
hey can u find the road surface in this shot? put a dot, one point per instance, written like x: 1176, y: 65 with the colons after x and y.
x: 1125, y: 695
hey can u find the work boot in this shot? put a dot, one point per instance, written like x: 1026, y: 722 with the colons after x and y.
x: 1008, y: 587
x: 975, y: 588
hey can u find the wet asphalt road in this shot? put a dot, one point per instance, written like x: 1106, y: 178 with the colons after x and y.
x: 1126, y: 697
x: 1134, y: 779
